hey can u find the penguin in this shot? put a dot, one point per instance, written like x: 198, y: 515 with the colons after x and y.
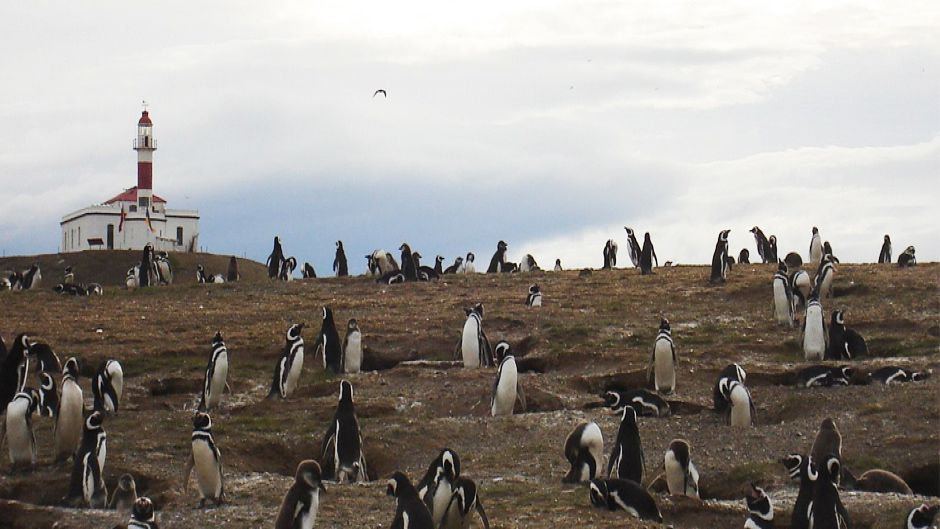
x: 824, y: 376
x: 86, y: 484
x: 463, y: 501
x: 802, y: 469
x: 275, y: 259
x: 302, y: 501
x: 827, y: 250
x: 681, y: 474
x: 125, y: 495
x: 216, y: 375
x: 287, y: 269
x: 308, y: 271
x: 142, y: 516
x: 232, y: 274
x: 646, y: 403
x: 21, y: 441
x: 893, y: 375
x: 146, y: 270
x: 610, y: 254
x: 742, y: 406
x: 534, y: 299
x: 506, y: 388
x: 10, y: 370
x: 760, y: 510
x: 94, y: 490
x: 68, y: 275
x: 720, y: 259
x: 328, y: 343
x: 633, y: 247
x: 813, y: 335
x: 48, y: 360
x: 885, y: 255
x: 352, y: 348
x: 772, y: 246
x: 800, y: 287
x: 907, y: 259
x: 626, y: 458
x: 427, y: 273
x: 508, y: 267
x: 436, y: 487
x: 207, y: 460
x: 32, y: 278
x: 381, y: 263
x: 528, y: 264
x: 201, y: 275
x: 557, y: 265
x: 744, y: 257
x: 474, y: 347
x: 763, y: 245
x: 663, y: 360
x: 730, y: 260
x: 408, y: 263
x: 584, y: 450
x: 454, y: 268
x: 783, y: 298
x: 921, y: 517
x: 132, y: 279
x: 468, y: 267
x: 391, y: 278
x: 48, y: 395
x: 827, y: 511
x: 163, y: 268
x: 721, y: 390
x: 498, y: 260
x: 410, y: 512
x: 289, y: 365
x: 844, y: 343
x: 877, y: 480
x: 108, y: 386
x: 647, y: 256
x: 341, y: 452
x: 69, y: 419
x: 824, y: 277
x: 625, y: 495
x: 815, y: 247
x: 339, y: 262
x: 828, y: 441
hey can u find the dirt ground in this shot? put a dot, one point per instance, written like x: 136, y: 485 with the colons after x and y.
x: 592, y: 333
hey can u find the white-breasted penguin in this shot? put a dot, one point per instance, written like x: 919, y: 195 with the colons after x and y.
x: 815, y: 247
x: 21, y: 441
x: 626, y: 458
x: 625, y: 495
x: 681, y: 474
x: 454, y: 268
x: 142, y: 515
x: 498, y: 260
x: 468, y: 267
x: 907, y: 259
x: 610, y: 254
x: 474, y: 346
x: 721, y: 390
x: 534, y: 298
x: 125, y: 494
x: 645, y: 402
x: 506, y: 388
x: 558, y: 265
x: 783, y: 299
x: 633, y: 247
x: 894, y: 375
x: 352, y: 347
x: 341, y: 453
x: 802, y: 469
x: 289, y: 365
x: 207, y: 461
x: 328, y: 343
x: 69, y: 419
x: 32, y: 278
x: 800, y: 287
x: 647, y: 255
x: 760, y: 510
x: 772, y: 246
x: 213, y: 385
x: 663, y: 360
x: 584, y: 450
x: 87, y: 484
x: 302, y: 501
x: 720, y: 258
x: 844, y: 343
x: 921, y: 517
x: 813, y: 335
x: 411, y: 512
x: 528, y: 263
x: 827, y: 511
x: 459, y: 511
x: 108, y: 386
x: 436, y: 487
x: 885, y: 255
x: 741, y: 414
x: 824, y: 277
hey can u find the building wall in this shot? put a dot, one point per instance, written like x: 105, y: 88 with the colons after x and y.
x: 93, y: 222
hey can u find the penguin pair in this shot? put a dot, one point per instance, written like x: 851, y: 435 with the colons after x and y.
x: 760, y: 510
x: 468, y: 267
x: 287, y: 269
x: 163, y: 268
x: 216, y: 378
x: 801, y: 468
x: 69, y: 419
x: 610, y: 254
x: 584, y: 450
x: 731, y: 373
x: 289, y: 365
x: 506, y: 388
x: 436, y: 488
x: 733, y: 397
x: 203, y: 278
x: 720, y: 259
x: 624, y: 495
x: 206, y: 459
x: 474, y: 347
x: 340, y: 266
x: 813, y: 334
x: 142, y: 515
x: 895, y: 375
x: 31, y: 278
x: 763, y: 246
x: 87, y: 487
x: 21, y: 440
x: 341, y: 453
x: 663, y: 360
x: 821, y: 376
x: 381, y: 263
x: 108, y: 386
x: 633, y: 247
x: 645, y: 402
x: 302, y: 501
x: 681, y: 474
x: 528, y: 264
x: 783, y: 297
x: 498, y: 261
x: 534, y: 298
x: 844, y: 343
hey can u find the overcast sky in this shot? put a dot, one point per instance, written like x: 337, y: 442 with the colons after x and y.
x: 550, y: 125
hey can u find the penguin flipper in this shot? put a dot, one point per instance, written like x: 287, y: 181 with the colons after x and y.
x: 486, y: 521
x: 187, y: 470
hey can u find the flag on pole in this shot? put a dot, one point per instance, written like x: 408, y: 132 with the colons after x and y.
x: 149, y: 226
x: 123, y: 216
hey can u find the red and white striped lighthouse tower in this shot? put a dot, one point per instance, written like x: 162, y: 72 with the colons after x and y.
x: 144, y: 144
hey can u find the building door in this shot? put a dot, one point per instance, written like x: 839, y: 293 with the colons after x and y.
x: 179, y: 235
x: 110, y: 236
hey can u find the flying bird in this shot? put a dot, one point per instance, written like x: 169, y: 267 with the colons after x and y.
x: 380, y: 91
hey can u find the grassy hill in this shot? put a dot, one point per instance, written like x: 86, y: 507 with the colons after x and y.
x: 592, y: 333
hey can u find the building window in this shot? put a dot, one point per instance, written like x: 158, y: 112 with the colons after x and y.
x: 143, y: 202
x: 133, y: 208
x: 72, y: 235
x: 110, y: 236
x: 65, y: 241
x: 179, y: 236
x: 79, y: 236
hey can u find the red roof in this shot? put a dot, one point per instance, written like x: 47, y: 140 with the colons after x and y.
x: 145, y: 119
x: 130, y: 195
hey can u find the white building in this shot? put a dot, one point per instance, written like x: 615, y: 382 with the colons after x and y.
x: 135, y: 217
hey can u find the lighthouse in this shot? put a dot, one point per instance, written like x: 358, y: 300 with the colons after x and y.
x: 135, y: 217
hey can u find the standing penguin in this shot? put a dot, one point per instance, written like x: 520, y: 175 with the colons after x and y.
x: 800, y: 287
x: 760, y: 510
x: 88, y: 464
x: 436, y: 487
x: 468, y: 267
x: 207, y: 460
x: 815, y: 247
x: 534, y: 298
x: 558, y: 265
x: 302, y: 501
x: 411, y: 512
x: 885, y: 255
x: 454, y: 268
x: 783, y: 299
x: 339, y: 262
x: 463, y: 501
x: 802, y: 469
x: 720, y: 258
x: 633, y: 247
x: 844, y: 343
x: 584, y: 450
x: 142, y: 516
x: 741, y: 414
x: 721, y: 390
x: 744, y: 257
x: 147, y: 272
x: 772, y: 246
x: 341, y: 452
x: 408, y: 267
x: 275, y: 259
x: 10, y: 370
x: 814, y: 331
x: 352, y: 348
x: 610, y: 254
x: 289, y: 365
x: 232, y: 274
x: 824, y: 277
x: 647, y: 256
x: 681, y: 474
x: 828, y: 441
x: 625, y: 495
x: 68, y: 420
x: 474, y: 347
x: 108, y: 386
x: 125, y: 495
x: 498, y: 260
x: 21, y: 441
x: 763, y: 245
x: 216, y: 375
x: 506, y: 388
x: 48, y: 395
x: 827, y: 511
x: 328, y: 343
x: 626, y: 459
x: 663, y: 361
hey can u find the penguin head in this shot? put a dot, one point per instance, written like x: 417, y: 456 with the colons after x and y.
x: 815, y: 230
x: 439, y: 259
x: 71, y: 367
x: 848, y: 373
x: 793, y: 462
x: 629, y: 231
x: 828, y: 424
x: 887, y: 238
x: 782, y: 267
x: 664, y: 326
x: 458, y: 261
x: 838, y: 317
x: 339, y: 245
x: 533, y: 288
x: 754, y: 230
x: 772, y: 240
x: 199, y: 268
x: 327, y: 314
x: 217, y: 339
x: 501, y: 245
x: 68, y: 269
x: 142, y: 510
x: 918, y: 376
x: 681, y: 451
x: 308, y: 475
x: 416, y: 255
x: 58, y: 289
x: 404, y: 246
x: 94, y: 421
x: 293, y: 332
x: 345, y: 391
x: 613, y: 400
x: 470, y: 257
x: 921, y: 517
x: 352, y: 325
x: 449, y: 464
x: 501, y: 351
x: 629, y: 415
x: 646, y: 237
x: 598, y: 492
x: 558, y: 262
x: 399, y: 485
x: 126, y: 482
x: 22, y: 341
x: 758, y: 502
x: 202, y: 421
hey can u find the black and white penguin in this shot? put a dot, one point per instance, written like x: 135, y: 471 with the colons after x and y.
x: 474, y: 346
x: 32, y: 278
x: 731, y: 373
x: 508, y: 267
x: 772, y: 246
x: 391, y: 278
x: 10, y: 383
x: 610, y: 254
x: 408, y: 267
x: 232, y: 274
x: 626, y: 458
x: 498, y: 261
x: 48, y: 361
x: 844, y: 343
x: 339, y: 262
x: 633, y: 247
x: 454, y: 268
x: 411, y: 512
x: 206, y: 459
x: 287, y: 269
x: 824, y: 277
x: 164, y: 269
x: 645, y: 402
x: 352, y: 348
x: 663, y: 360
x: 69, y: 417
x: 558, y: 265
x: 21, y: 441
x: 142, y: 515
x: 125, y: 494
x: 744, y: 256
x: 741, y: 414
x: 885, y: 255
x: 894, y: 375
x: 647, y: 255
x: 275, y: 259
x: 783, y: 298
x: 201, y: 275
x: 439, y: 265
x: 48, y: 395
x: 506, y: 388
x: 213, y: 385
x: 436, y: 487
x: 813, y: 333
x: 921, y: 517
x: 468, y: 267
x: 108, y: 386
x: 720, y: 258
x: 681, y: 474
x: 427, y: 273
x: 827, y: 511
x: 464, y: 500
x: 819, y: 376
x: 802, y: 469
x: 534, y: 298
x: 132, y: 279
x: 86, y: 484
x: 815, y: 248
x: 328, y: 343
x: 68, y: 275
x: 308, y: 272
x: 146, y: 269
x: 760, y: 510
x: 827, y: 250
x: 341, y: 453
x: 828, y: 441
x: 289, y: 365
x: 876, y: 480
x: 302, y: 501
x: 907, y: 259
x: 763, y: 245
x: 584, y: 450
x: 625, y: 495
